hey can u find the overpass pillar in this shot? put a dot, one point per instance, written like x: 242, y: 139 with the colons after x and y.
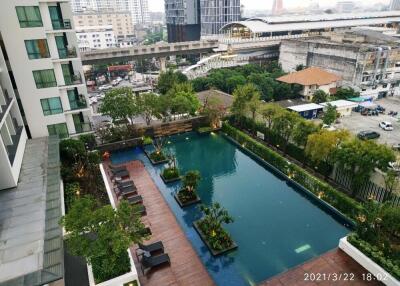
x: 163, y: 64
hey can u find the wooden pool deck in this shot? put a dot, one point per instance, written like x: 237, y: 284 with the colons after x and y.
x: 186, y: 267
x: 335, y: 261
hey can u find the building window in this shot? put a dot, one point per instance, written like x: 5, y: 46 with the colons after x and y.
x: 51, y: 106
x: 45, y: 78
x: 37, y: 49
x: 58, y: 129
x: 29, y: 16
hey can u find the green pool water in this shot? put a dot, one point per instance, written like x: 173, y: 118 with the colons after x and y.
x: 276, y: 226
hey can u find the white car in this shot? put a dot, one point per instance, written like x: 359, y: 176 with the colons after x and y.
x: 385, y: 125
x: 328, y: 127
x: 105, y: 87
x: 118, y: 79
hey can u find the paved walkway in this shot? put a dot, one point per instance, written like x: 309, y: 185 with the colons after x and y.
x: 186, y: 268
x: 335, y: 261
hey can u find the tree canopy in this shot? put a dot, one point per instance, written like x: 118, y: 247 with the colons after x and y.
x: 319, y: 96
x: 169, y: 79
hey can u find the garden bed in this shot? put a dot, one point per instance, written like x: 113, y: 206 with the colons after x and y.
x: 168, y: 181
x: 369, y: 264
x: 153, y: 162
x: 188, y: 203
x: 207, y: 242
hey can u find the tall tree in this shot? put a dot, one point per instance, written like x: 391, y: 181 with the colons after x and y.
x: 149, y: 105
x: 246, y: 99
x: 284, y: 124
x: 360, y: 158
x: 168, y: 79
x: 320, y: 96
x: 269, y: 112
x: 330, y: 114
x: 302, y: 130
x: 119, y: 104
x: 346, y: 93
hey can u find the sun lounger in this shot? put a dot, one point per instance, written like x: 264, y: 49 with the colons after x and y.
x: 124, y: 184
x: 120, y: 174
x: 152, y: 248
x: 147, y: 263
x: 126, y: 192
x: 135, y: 200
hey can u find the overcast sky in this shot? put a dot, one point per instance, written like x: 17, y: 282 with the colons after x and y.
x: 158, y: 5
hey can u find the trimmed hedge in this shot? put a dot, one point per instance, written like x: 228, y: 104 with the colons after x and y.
x: 338, y: 200
x: 376, y: 255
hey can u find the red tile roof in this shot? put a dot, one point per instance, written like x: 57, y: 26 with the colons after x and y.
x: 310, y: 76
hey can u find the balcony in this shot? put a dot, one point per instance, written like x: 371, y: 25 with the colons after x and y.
x: 61, y: 24
x: 78, y: 104
x: 73, y: 79
x: 4, y: 107
x: 67, y: 53
x: 12, y: 149
x: 83, y: 127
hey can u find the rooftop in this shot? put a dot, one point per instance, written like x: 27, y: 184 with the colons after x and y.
x: 310, y: 76
x: 340, y: 103
x: 30, y: 236
x: 305, y: 107
x: 320, y: 21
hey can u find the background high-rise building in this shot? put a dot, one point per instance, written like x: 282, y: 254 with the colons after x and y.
x: 277, y: 7
x: 395, y: 5
x: 345, y: 6
x: 139, y: 9
x: 216, y: 13
x: 183, y: 20
x: 187, y: 20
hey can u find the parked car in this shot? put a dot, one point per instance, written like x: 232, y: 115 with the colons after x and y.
x: 105, y: 87
x: 386, y: 125
x: 118, y: 79
x: 328, y: 127
x: 367, y: 135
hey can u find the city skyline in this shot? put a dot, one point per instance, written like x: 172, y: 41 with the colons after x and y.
x: 158, y: 5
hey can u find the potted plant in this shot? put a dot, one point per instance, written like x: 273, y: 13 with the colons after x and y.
x: 211, y: 231
x: 157, y: 156
x: 187, y: 194
x: 146, y: 140
x: 171, y: 173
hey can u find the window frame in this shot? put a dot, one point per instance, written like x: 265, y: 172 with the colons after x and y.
x: 44, y: 84
x: 37, y: 55
x: 49, y: 110
x: 54, y: 131
x: 26, y: 22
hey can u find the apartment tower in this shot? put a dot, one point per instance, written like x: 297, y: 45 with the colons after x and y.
x: 43, y: 62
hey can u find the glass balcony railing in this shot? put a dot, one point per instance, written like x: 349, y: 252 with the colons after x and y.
x: 77, y: 104
x: 66, y: 53
x: 61, y: 24
x: 72, y: 79
x: 82, y: 127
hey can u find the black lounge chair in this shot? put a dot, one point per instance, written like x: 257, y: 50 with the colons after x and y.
x: 135, y: 200
x: 121, y: 174
x: 126, y: 192
x: 153, y: 261
x: 152, y: 248
x: 125, y: 184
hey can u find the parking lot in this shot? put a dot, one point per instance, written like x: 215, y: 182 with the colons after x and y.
x: 357, y: 122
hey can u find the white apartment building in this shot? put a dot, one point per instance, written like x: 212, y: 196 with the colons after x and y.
x: 139, y: 9
x: 95, y: 38
x: 12, y: 131
x: 120, y: 21
x: 39, y: 39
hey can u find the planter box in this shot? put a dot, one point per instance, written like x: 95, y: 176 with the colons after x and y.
x: 204, y: 239
x: 155, y: 162
x: 182, y: 205
x: 167, y: 181
x: 130, y: 276
x: 380, y: 274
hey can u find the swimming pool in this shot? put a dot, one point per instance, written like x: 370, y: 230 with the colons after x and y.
x: 276, y: 226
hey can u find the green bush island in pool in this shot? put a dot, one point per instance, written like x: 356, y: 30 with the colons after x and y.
x: 187, y: 194
x: 211, y: 227
x: 170, y: 173
x: 157, y: 156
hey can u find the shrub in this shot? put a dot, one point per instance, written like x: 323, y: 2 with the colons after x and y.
x: 170, y: 173
x: 147, y: 140
x: 157, y: 156
x: 373, y: 252
x: 105, y: 268
x: 71, y: 192
x: 340, y: 201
